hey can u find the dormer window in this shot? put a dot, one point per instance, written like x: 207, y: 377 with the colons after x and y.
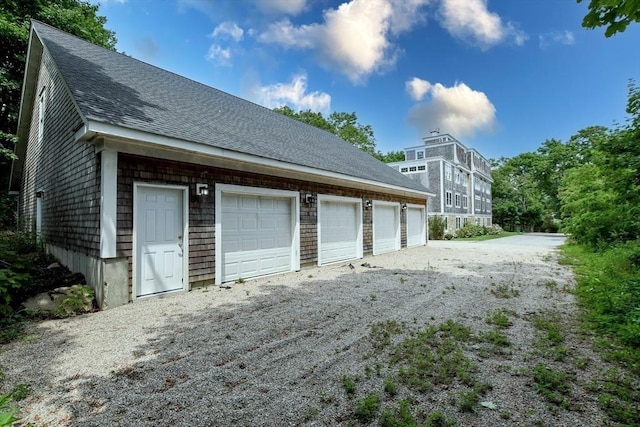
x: 420, y: 155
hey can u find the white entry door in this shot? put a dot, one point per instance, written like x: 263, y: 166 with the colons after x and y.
x: 386, y: 227
x: 257, y: 235
x: 160, y: 240
x: 340, y: 230
x: 415, y: 226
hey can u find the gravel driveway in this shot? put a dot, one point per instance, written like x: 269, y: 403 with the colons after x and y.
x: 302, y: 348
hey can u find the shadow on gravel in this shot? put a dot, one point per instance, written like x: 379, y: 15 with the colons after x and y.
x: 277, y: 359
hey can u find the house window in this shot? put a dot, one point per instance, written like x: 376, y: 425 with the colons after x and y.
x: 404, y: 169
x: 457, y: 200
x: 465, y: 179
x: 477, y: 221
x: 448, y: 198
x: 457, y: 222
x: 464, y: 202
x: 412, y: 169
x: 420, y: 155
x: 421, y: 168
x: 41, y: 107
x: 447, y: 172
x: 464, y: 220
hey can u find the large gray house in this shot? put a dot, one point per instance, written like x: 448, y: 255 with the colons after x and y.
x: 459, y: 176
x: 149, y: 183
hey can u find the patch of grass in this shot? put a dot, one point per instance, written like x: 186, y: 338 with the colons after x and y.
x: 619, y: 395
x: 20, y: 392
x: 367, y: 408
x: 488, y: 236
x: 390, y: 387
x: 434, y: 356
x: 505, y: 291
x: 349, y: 386
x: 399, y: 416
x: 496, y: 337
x: 552, y: 285
x: 552, y: 385
x: 467, y: 400
x: 550, y: 337
x: 380, y: 334
x: 498, y: 318
x: 438, y: 419
x: 309, y: 415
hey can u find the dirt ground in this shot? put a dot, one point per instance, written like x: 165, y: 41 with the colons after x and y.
x: 454, y: 333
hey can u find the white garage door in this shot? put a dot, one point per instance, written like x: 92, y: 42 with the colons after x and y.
x: 386, y: 227
x: 415, y: 226
x: 339, y: 233
x: 256, y: 236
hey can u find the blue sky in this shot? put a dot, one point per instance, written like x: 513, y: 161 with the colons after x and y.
x: 502, y: 76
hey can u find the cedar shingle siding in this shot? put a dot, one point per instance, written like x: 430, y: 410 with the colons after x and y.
x: 66, y: 170
x: 201, y: 209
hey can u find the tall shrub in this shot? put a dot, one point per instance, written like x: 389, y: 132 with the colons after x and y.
x: 436, y: 227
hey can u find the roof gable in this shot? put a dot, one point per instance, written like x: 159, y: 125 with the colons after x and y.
x: 115, y: 89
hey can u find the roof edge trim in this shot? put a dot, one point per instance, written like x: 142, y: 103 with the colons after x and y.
x: 94, y: 129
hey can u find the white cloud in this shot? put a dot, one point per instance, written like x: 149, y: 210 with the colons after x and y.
x: 458, y: 110
x: 355, y: 38
x: 470, y: 20
x: 229, y: 29
x: 558, y: 37
x: 293, y: 94
x: 417, y: 88
x: 289, y: 7
x: 219, y: 55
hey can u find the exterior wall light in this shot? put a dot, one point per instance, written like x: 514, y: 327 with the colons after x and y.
x: 367, y: 204
x: 202, y: 189
x: 308, y: 198
x: 39, y: 194
x: 404, y: 206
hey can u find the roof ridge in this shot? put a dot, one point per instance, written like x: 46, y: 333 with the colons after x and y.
x: 180, y: 76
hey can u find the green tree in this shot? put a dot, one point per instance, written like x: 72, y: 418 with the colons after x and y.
x: 74, y: 16
x: 616, y: 15
x: 390, y: 157
x: 517, y: 199
x: 343, y: 125
x: 600, y: 201
x: 556, y: 157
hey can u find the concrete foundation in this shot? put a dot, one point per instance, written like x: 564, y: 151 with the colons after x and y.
x: 109, y: 278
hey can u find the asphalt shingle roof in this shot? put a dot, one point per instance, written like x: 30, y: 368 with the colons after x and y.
x: 116, y: 89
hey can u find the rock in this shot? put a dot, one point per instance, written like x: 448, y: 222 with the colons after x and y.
x: 43, y: 303
x: 53, y: 265
x: 49, y: 303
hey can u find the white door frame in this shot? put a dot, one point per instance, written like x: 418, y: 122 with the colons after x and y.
x: 396, y: 206
x: 423, y: 231
x: 256, y: 191
x: 329, y: 198
x: 185, y: 234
